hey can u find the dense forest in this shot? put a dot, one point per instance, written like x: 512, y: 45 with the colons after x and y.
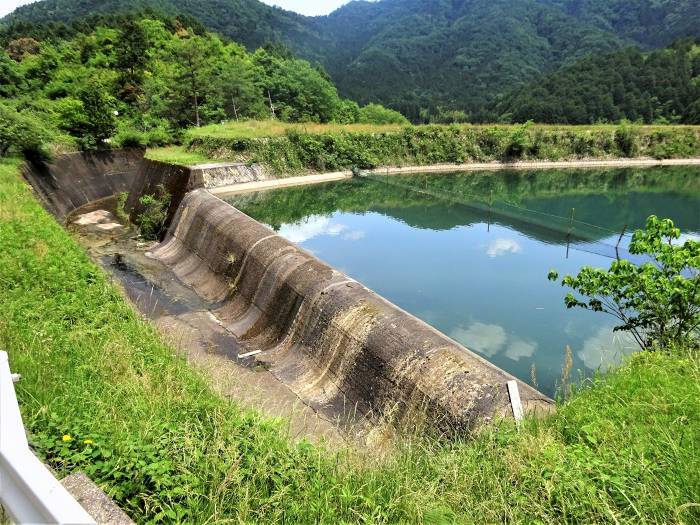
x: 433, y: 60
x: 142, y: 80
x: 661, y: 86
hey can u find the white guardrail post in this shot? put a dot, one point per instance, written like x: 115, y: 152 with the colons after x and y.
x: 28, y: 491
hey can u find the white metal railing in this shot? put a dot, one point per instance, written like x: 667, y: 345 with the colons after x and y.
x: 28, y: 491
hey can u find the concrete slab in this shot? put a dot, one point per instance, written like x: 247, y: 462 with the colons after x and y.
x: 100, y: 506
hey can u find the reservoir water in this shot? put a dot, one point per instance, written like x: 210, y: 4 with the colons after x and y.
x: 469, y: 253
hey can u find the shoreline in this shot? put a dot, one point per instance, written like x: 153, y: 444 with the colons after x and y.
x: 319, y: 178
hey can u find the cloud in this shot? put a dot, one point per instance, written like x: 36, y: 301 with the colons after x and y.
x: 502, y: 247
x: 487, y: 339
x: 605, y: 348
x: 305, y: 230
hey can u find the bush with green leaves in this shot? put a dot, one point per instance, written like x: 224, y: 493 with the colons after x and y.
x: 658, y: 301
x: 154, y: 212
x: 22, y: 132
x: 378, y: 114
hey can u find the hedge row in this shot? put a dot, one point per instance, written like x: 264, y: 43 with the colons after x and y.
x: 297, y: 152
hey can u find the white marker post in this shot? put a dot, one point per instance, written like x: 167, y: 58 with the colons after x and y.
x: 514, y: 394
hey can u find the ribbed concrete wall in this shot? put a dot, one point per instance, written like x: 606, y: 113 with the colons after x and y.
x: 336, y: 343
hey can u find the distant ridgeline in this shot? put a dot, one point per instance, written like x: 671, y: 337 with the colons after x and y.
x: 460, y: 60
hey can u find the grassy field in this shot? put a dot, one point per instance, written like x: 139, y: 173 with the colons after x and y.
x: 250, y: 129
x: 102, y: 394
x: 177, y: 155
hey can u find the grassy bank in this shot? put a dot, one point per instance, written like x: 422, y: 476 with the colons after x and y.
x: 101, y: 393
x: 292, y: 149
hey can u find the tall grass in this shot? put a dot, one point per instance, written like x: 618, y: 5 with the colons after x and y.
x: 101, y: 393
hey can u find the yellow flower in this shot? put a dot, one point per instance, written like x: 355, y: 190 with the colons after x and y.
x: 88, y: 441
x: 67, y: 437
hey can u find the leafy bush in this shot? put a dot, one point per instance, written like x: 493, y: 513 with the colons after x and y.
x: 658, y: 302
x: 130, y: 138
x: 625, y: 138
x: 378, y: 114
x: 297, y: 151
x: 121, y: 212
x: 155, y: 211
x: 22, y: 132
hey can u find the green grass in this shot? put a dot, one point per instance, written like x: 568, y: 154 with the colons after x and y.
x: 101, y: 393
x: 177, y: 155
x: 248, y: 129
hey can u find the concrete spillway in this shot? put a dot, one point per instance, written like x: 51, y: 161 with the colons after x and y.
x: 339, y: 346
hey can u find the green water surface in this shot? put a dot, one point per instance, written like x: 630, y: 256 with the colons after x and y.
x: 469, y: 252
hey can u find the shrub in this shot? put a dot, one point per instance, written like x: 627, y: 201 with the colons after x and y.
x: 378, y: 114
x: 626, y: 139
x: 130, y: 138
x: 24, y: 133
x: 155, y: 211
x: 658, y: 302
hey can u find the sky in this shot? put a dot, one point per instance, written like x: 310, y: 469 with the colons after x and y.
x: 305, y: 7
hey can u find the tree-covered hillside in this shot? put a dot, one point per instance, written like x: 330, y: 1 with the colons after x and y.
x: 660, y: 86
x: 431, y: 59
x: 142, y: 80
x: 415, y: 54
x: 650, y: 23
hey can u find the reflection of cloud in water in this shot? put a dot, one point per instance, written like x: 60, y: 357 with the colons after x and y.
x: 502, y: 247
x: 518, y: 349
x: 315, y: 226
x: 687, y: 237
x: 354, y: 235
x: 490, y: 339
x: 605, y: 348
x: 487, y: 339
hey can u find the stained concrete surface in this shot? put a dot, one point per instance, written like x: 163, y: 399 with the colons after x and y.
x: 186, y: 322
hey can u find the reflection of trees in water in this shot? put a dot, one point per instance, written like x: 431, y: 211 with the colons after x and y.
x: 537, y: 203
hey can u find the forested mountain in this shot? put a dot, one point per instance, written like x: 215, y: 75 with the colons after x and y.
x: 663, y: 85
x: 414, y: 54
x: 426, y: 58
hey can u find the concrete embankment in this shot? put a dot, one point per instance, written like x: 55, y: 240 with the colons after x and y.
x: 223, y: 187
x: 341, y: 348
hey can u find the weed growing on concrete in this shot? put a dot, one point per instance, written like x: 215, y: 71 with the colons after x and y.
x: 151, y: 220
x: 121, y: 213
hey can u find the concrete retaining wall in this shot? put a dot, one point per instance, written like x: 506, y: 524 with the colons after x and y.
x: 336, y: 343
x: 77, y: 179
